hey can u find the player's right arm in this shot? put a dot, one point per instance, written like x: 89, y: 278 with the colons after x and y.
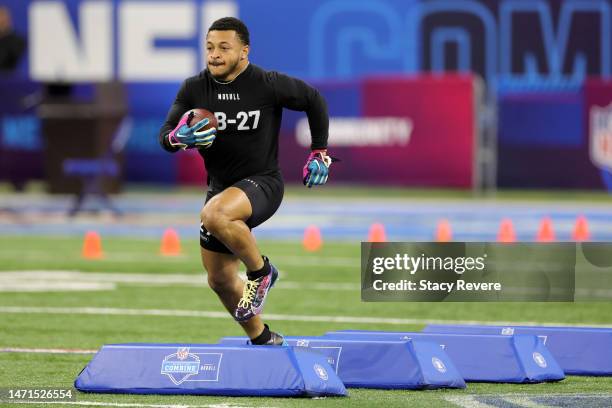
x: 180, y: 105
x: 176, y: 134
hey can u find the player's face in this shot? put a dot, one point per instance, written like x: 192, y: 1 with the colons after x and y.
x: 226, y: 55
x: 5, y: 20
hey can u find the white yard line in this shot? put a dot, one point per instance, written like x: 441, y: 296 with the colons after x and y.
x: 280, y: 317
x: 468, y: 401
x: 314, y: 260
x: 296, y: 260
x: 520, y: 400
x: 525, y: 401
x: 318, y: 286
x: 47, y: 281
x: 115, y: 277
x: 53, y: 286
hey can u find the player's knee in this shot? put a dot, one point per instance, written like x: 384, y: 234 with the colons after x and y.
x: 218, y: 283
x: 214, y: 218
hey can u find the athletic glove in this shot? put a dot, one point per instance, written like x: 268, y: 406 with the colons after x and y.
x: 316, y: 169
x: 187, y: 137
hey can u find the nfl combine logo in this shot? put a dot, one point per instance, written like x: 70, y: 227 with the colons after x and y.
x: 180, y: 365
x: 438, y: 364
x: 601, y: 136
x: 539, y: 359
x: 321, y: 372
x: 182, y: 353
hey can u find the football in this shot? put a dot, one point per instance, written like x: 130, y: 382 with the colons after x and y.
x: 198, y: 114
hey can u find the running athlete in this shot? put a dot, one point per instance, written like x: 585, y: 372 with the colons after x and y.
x: 245, y: 186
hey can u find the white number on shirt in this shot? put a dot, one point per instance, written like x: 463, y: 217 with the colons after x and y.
x: 242, y: 118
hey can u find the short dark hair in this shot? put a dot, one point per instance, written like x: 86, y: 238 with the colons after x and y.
x: 232, y: 24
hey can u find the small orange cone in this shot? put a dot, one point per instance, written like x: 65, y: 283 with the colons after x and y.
x: 546, y: 233
x: 506, y: 231
x: 444, y: 232
x: 170, y: 244
x: 92, y: 246
x: 312, y: 238
x: 377, y: 233
x: 581, y: 229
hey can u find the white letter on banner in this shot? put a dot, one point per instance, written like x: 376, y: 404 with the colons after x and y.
x: 56, y: 52
x: 140, y: 23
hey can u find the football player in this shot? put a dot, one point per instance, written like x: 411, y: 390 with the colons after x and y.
x: 245, y: 186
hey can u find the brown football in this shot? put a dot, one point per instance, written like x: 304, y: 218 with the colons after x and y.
x: 199, y: 114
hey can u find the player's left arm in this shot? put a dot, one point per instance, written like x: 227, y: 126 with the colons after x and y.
x: 295, y: 94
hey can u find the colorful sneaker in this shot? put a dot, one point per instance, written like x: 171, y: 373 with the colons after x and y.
x: 277, y: 340
x: 254, y: 295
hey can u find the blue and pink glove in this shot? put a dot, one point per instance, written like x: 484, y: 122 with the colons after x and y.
x: 187, y: 137
x: 316, y: 169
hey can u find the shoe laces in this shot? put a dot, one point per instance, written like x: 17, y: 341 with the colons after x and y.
x: 248, y: 294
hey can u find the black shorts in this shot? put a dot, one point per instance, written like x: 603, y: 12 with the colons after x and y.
x: 265, y: 194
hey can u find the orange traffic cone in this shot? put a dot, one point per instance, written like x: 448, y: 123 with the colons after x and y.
x: 546, y: 233
x: 312, y: 238
x: 506, y: 231
x: 170, y: 244
x: 377, y: 233
x: 444, y: 232
x: 92, y: 246
x: 581, y: 229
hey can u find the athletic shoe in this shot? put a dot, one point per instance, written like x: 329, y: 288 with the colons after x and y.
x: 254, y: 295
x: 276, y: 340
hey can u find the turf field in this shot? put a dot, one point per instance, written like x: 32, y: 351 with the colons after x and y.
x: 136, y: 295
